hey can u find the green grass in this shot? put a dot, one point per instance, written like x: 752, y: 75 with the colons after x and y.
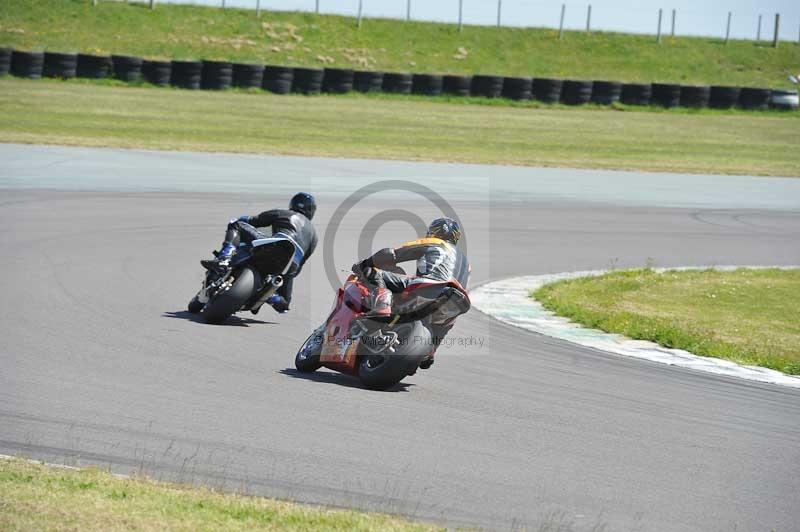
x: 37, y: 497
x: 173, y: 31
x: 748, y: 316
x: 102, y: 114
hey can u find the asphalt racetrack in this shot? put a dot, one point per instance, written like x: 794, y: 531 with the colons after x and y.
x: 100, y: 363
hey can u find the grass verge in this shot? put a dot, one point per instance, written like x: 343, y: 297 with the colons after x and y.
x: 191, y: 32
x: 83, y: 113
x: 748, y: 316
x: 38, y: 497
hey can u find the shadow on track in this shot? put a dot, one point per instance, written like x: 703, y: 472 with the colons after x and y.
x: 347, y: 381
x: 233, y: 321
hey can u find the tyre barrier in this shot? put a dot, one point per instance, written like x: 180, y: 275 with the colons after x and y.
x: 278, y: 79
x: 754, y: 99
x: 93, y: 66
x: 216, y: 75
x: 636, y: 93
x: 397, y: 82
x: 127, y: 67
x: 186, y: 74
x: 367, y: 81
x: 487, y: 86
x: 695, y: 96
x: 576, y: 92
x: 518, y: 88
x: 427, y: 84
x: 783, y: 100
x: 247, y: 75
x: 58, y: 65
x: 666, y: 95
x: 457, y: 85
x: 308, y: 81
x: 158, y: 73
x: 606, y: 92
x: 337, y: 80
x: 723, y: 97
x: 5, y: 61
x: 27, y: 64
x: 547, y: 90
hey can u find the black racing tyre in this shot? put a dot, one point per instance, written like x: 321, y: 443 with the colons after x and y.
x: 695, y: 96
x: 606, y: 92
x: 457, y: 85
x: 278, y: 79
x: 667, y: 95
x: 247, y: 76
x: 127, y: 67
x: 397, y: 82
x: 308, y: 80
x: 487, y: 86
x: 518, y: 88
x: 378, y: 372
x: 367, y: 81
x: 754, y: 99
x: 228, y: 302
x: 427, y: 84
x: 636, y: 93
x: 576, y: 92
x: 307, y: 358
x: 157, y: 72
x: 783, y: 100
x: 186, y: 74
x: 93, y: 66
x: 547, y: 90
x: 59, y: 65
x: 194, y: 306
x: 216, y: 75
x: 337, y: 80
x: 723, y: 97
x: 27, y: 64
x: 5, y: 61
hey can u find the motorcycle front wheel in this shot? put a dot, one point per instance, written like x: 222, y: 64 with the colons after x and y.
x: 307, y: 358
x: 225, y: 303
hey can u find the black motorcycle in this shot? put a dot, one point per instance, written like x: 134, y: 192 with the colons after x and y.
x: 255, y: 273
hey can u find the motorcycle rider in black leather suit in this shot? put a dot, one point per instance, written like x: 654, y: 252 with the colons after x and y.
x: 436, y: 256
x: 294, y: 223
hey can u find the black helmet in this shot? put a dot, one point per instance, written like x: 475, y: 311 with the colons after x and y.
x: 446, y: 229
x: 304, y: 203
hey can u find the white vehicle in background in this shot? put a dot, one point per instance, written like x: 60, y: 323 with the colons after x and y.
x: 782, y: 99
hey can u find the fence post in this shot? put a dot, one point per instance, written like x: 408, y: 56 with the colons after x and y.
x: 758, y: 31
x: 408, y: 10
x: 728, y: 28
x: 672, y: 32
x: 223, y: 4
x: 777, y: 28
x: 499, y: 11
x: 316, y: 7
x: 658, y: 34
x: 460, y: 13
x: 94, y: 3
x: 360, y: 8
x: 152, y: 4
x: 589, y: 19
x: 258, y: 8
x: 561, y: 24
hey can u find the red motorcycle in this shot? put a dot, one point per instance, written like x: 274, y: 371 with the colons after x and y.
x: 382, y: 351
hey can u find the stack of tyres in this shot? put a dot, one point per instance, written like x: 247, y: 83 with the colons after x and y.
x: 158, y: 73
x: 666, y: 95
x: 695, y: 96
x: 186, y: 74
x: 247, y: 76
x: 518, y: 88
x: 59, y: 65
x: 427, y: 84
x: 723, y: 97
x: 216, y: 75
x: 368, y: 81
x: 547, y: 90
x: 337, y: 80
x: 308, y: 80
x: 5, y: 61
x: 27, y: 64
x: 576, y: 92
x: 487, y: 86
x: 754, y: 99
x: 127, y: 67
x: 606, y: 92
x: 278, y: 79
x: 457, y: 85
x: 397, y: 82
x: 93, y: 66
x: 636, y: 93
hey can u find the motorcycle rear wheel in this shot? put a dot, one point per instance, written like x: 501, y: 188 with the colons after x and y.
x: 379, y: 372
x: 226, y: 303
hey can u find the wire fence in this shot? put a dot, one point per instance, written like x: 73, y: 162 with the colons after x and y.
x: 702, y: 20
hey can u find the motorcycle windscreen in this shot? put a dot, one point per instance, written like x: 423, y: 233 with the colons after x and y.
x: 273, y: 256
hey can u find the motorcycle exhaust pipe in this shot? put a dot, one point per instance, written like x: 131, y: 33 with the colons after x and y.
x: 277, y: 281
